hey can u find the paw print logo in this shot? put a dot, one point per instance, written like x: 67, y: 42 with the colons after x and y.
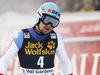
x: 51, y: 45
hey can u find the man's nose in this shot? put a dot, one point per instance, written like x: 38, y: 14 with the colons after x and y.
x: 49, y: 25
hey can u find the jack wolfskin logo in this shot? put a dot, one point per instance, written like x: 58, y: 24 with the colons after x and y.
x: 37, y: 48
x: 51, y: 45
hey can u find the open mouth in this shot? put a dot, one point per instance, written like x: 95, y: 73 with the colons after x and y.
x: 47, y: 29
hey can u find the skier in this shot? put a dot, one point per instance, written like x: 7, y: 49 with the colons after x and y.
x: 37, y: 46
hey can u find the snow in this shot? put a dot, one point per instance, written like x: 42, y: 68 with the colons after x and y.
x: 12, y: 18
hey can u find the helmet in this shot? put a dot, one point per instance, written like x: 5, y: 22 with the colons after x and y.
x: 48, y: 8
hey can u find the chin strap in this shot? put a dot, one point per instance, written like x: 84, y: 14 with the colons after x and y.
x: 39, y: 27
x: 38, y: 32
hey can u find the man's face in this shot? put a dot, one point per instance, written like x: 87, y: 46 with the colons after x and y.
x: 45, y: 29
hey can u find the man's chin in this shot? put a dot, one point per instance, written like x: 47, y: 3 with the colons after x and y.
x: 45, y: 33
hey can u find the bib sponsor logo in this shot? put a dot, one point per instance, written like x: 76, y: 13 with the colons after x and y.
x: 26, y: 35
x: 53, y: 36
x: 43, y: 71
x: 37, y: 71
x: 51, y: 45
x: 37, y: 48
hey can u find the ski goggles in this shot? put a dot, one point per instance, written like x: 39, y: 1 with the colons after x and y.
x: 47, y: 19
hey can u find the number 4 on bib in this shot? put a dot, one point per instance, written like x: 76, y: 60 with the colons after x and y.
x: 40, y: 61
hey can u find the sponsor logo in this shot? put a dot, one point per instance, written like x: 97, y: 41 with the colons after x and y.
x: 26, y: 35
x: 36, y: 45
x: 51, y: 45
x: 43, y: 71
x: 55, y: 12
x: 52, y: 11
x: 29, y: 71
x: 37, y: 71
x: 53, y: 36
x: 37, y: 48
x: 23, y: 71
x: 90, y: 28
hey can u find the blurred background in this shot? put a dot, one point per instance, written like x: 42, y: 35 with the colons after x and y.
x: 79, y: 26
x: 31, y: 6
